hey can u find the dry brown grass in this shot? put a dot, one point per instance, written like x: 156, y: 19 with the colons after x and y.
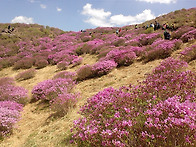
x: 38, y: 129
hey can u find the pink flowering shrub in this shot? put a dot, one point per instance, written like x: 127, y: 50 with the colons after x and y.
x: 137, y: 50
x: 10, y: 92
x: 85, y: 38
x: 6, y: 81
x: 107, y: 119
x: 9, y: 115
x: 8, y: 61
x: 50, y: 89
x: 25, y: 75
x: 103, y: 67
x: 102, y: 52
x: 62, y: 65
x: 76, y: 61
x: 171, y: 123
x: 24, y: 63
x: 189, y: 53
x: 160, y: 111
x: 121, y: 57
x: 41, y: 63
x: 58, y: 92
x: 119, y: 42
x: 191, y: 35
x: 161, y: 49
x: 148, y: 39
x: 181, y: 31
x: 168, y: 80
x: 84, y: 72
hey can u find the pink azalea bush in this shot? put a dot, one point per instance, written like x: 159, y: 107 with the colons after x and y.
x: 25, y: 75
x: 189, y: 53
x: 11, y: 100
x: 62, y: 65
x: 161, y: 49
x: 148, y: 39
x: 84, y: 72
x: 6, y: 81
x: 76, y: 61
x: 41, y: 63
x: 107, y: 119
x: 58, y: 92
x: 121, y: 57
x: 10, y: 92
x: 171, y: 123
x: 160, y: 111
x: 103, y: 67
x: 9, y: 115
x: 181, y: 31
x: 191, y: 35
x: 24, y: 63
x: 168, y: 80
x: 50, y: 89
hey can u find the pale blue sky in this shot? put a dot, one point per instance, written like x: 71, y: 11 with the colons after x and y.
x: 74, y: 15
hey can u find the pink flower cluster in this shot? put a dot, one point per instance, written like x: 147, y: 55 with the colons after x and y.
x: 148, y: 39
x: 168, y: 80
x: 10, y: 92
x: 11, y: 100
x: 50, y: 89
x: 121, y: 56
x: 191, y: 35
x: 181, y: 31
x: 58, y: 92
x: 171, y: 121
x: 189, y: 53
x: 9, y: 115
x: 161, y: 49
x: 103, y: 67
x: 107, y: 119
x: 157, y: 112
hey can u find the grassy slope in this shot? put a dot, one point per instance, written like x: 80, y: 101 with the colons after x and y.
x: 38, y: 128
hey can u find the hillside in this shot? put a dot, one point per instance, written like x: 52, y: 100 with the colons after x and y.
x: 88, y: 63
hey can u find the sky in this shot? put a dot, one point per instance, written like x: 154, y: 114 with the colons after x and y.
x: 76, y: 15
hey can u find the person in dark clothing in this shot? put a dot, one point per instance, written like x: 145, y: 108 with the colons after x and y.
x: 8, y: 27
x: 167, y: 35
x: 172, y: 27
x: 136, y: 26
x: 12, y: 29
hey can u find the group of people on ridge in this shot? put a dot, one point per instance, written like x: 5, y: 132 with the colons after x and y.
x: 155, y: 26
x: 9, y: 29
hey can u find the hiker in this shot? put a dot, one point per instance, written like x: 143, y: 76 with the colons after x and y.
x: 12, y: 29
x: 164, y: 26
x: 172, y: 27
x: 167, y: 25
x: 156, y: 26
x: 117, y: 32
x: 136, y: 26
x: 147, y: 26
x: 8, y: 27
x: 167, y: 35
x: 151, y: 25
